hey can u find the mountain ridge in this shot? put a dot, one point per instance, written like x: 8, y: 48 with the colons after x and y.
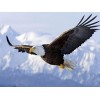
x: 86, y: 58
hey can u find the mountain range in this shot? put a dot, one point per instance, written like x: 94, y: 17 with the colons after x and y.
x: 21, y: 69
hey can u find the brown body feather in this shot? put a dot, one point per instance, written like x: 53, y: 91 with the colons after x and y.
x: 53, y: 55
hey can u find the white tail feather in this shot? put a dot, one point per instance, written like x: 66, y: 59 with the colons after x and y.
x: 68, y: 64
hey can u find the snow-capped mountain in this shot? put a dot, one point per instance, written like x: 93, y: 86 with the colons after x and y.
x: 21, y: 69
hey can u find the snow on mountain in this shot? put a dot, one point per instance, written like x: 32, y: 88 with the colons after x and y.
x: 16, y: 66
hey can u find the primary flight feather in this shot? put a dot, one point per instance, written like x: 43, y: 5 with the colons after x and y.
x: 65, y: 44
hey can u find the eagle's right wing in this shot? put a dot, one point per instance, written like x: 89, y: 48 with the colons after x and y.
x: 21, y: 48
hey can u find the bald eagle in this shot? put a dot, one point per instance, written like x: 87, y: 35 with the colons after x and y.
x: 66, y: 43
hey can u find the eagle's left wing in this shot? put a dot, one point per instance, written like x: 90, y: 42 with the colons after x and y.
x: 72, y: 39
x: 21, y: 48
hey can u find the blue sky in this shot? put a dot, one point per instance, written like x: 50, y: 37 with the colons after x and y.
x: 54, y: 23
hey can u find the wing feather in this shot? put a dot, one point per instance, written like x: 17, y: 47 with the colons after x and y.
x: 72, y: 39
x: 21, y: 48
x: 86, y: 19
x: 89, y: 21
x: 80, y: 20
x: 92, y: 23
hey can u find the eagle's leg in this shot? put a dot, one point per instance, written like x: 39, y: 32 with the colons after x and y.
x: 61, y: 66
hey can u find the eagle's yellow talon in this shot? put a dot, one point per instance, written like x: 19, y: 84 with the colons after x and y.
x: 62, y: 66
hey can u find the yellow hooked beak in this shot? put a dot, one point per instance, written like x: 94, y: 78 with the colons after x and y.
x: 31, y: 50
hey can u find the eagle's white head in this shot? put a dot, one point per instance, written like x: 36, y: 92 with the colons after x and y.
x: 39, y: 50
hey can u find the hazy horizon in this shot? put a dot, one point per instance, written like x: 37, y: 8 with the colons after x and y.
x: 45, y: 22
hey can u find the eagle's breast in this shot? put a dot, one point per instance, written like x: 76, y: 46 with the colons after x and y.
x: 53, y: 56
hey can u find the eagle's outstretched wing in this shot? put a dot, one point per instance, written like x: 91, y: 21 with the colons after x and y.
x: 21, y: 48
x: 73, y: 38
